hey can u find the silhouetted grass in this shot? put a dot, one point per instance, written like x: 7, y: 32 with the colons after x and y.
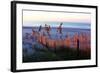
x: 57, y: 54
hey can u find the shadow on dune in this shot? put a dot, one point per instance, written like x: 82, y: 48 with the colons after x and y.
x: 58, y: 54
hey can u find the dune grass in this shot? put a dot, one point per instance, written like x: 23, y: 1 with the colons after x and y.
x: 56, y: 55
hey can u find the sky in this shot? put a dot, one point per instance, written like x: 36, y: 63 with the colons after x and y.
x: 74, y: 20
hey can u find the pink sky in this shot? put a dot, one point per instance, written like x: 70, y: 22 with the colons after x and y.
x: 40, y: 16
